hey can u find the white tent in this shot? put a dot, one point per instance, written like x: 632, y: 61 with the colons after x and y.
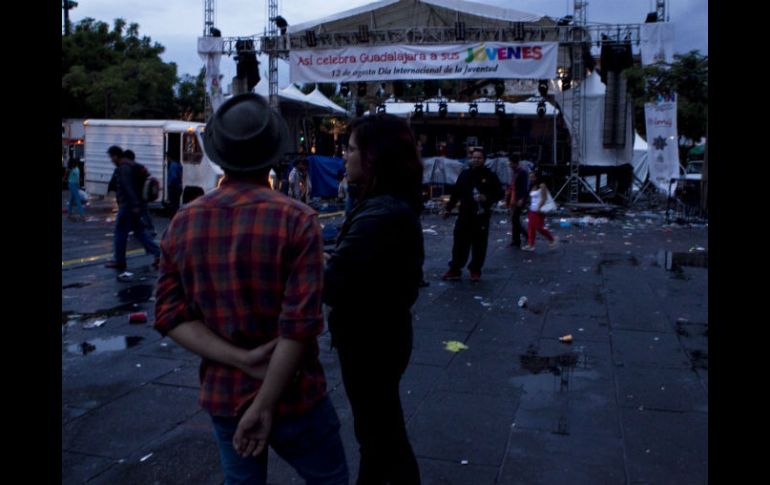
x: 640, y: 158
x: 319, y: 98
x: 594, y: 153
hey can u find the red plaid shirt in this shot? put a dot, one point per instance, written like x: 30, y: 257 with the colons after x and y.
x: 248, y: 262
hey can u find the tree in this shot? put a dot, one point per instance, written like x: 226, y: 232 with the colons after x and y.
x: 190, y: 96
x: 115, y: 73
x: 687, y: 76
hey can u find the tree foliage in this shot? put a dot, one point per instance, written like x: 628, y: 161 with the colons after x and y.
x: 115, y: 73
x: 687, y: 76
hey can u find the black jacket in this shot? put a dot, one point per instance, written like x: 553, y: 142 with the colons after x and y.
x: 373, y: 275
x: 127, y: 181
x: 485, y: 181
x: 521, y: 184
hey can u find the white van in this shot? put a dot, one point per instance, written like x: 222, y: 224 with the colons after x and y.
x: 150, y: 140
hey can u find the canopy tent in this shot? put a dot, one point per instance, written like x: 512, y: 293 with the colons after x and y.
x: 592, y: 125
x: 387, y: 14
x: 319, y: 98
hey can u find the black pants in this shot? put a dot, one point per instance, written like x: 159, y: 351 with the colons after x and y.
x: 470, y: 236
x: 518, y: 230
x: 371, y: 373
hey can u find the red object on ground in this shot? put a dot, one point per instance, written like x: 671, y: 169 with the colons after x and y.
x: 138, y: 317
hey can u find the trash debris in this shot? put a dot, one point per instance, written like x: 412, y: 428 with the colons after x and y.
x: 164, y: 344
x: 580, y: 330
x: 125, y: 276
x: 138, y: 317
x: 145, y: 457
x: 564, y: 223
x: 485, y: 304
x: 656, y: 339
x: 430, y: 231
x: 464, y: 462
x: 94, y: 324
x: 139, y: 365
x: 478, y: 297
x: 567, y: 339
x: 455, y: 346
x: 522, y: 302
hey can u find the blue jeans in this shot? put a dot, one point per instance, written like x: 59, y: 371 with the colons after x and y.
x: 125, y: 222
x: 74, y: 189
x: 310, y: 443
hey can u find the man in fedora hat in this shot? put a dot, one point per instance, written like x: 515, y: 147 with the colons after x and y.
x: 240, y: 285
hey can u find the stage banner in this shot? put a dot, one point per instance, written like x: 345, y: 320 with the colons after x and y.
x: 657, y: 43
x: 210, y: 51
x: 662, y: 142
x: 489, y: 60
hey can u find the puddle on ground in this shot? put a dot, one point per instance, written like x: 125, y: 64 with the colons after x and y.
x: 99, y: 345
x: 99, y: 314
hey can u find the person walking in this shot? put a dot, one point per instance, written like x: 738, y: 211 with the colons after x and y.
x: 299, y: 182
x: 73, y: 185
x: 477, y: 189
x: 371, y: 282
x: 240, y: 285
x: 128, y: 183
x: 518, y: 192
x: 539, y: 196
x: 175, y: 174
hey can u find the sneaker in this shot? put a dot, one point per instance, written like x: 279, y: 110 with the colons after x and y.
x: 528, y: 248
x: 475, y: 276
x: 451, y: 276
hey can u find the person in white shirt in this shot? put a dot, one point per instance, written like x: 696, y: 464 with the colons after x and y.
x: 538, y: 196
x: 299, y: 182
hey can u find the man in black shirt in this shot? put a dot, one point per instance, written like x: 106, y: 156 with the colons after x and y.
x: 477, y: 189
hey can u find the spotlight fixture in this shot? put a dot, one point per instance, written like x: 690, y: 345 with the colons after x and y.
x: 381, y: 108
x: 361, y: 90
x: 344, y: 89
x: 281, y: 23
x: 473, y: 109
x: 541, y: 109
x: 418, y: 110
x: 500, y: 108
x: 442, y: 110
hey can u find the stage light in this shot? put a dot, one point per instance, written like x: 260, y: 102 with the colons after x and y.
x: 541, y: 109
x: 442, y: 110
x: 344, y: 89
x: 473, y: 109
x: 381, y: 108
x: 418, y: 110
x: 500, y: 108
x: 281, y: 23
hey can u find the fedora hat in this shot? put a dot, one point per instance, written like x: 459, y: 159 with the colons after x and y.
x: 245, y: 134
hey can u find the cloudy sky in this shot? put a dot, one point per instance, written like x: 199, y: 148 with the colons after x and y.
x: 176, y: 24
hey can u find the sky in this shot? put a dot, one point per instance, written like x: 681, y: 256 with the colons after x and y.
x: 176, y: 24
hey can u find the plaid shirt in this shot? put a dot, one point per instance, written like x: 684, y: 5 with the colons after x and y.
x: 248, y: 262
